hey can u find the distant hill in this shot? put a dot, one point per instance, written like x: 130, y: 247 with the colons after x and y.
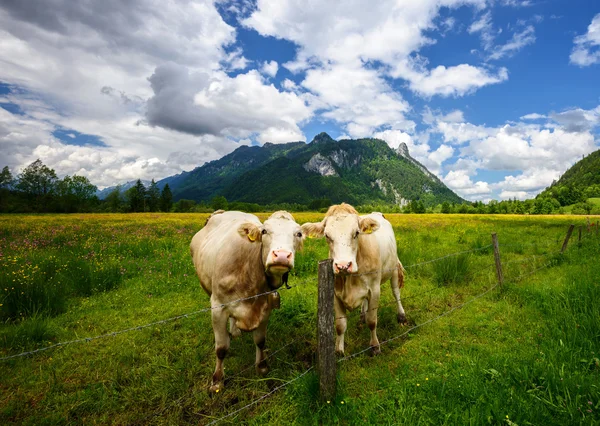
x: 362, y: 171
x: 580, y: 182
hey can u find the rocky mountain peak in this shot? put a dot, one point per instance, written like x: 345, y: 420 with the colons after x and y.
x: 322, y: 138
x: 402, y: 150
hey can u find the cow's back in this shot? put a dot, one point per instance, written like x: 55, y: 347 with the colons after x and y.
x: 218, y: 248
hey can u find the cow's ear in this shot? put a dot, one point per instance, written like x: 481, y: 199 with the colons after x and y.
x: 313, y: 230
x: 251, y: 231
x: 368, y: 225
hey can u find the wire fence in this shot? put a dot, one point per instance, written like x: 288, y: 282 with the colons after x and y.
x: 345, y: 358
x: 191, y: 314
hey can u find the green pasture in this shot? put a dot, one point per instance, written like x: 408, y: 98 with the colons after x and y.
x: 524, y: 354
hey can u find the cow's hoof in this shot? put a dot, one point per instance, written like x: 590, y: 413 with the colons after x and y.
x: 216, y: 387
x: 262, y: 368
x: 402, y: 319
x: 375, y: 351
x: 340, y: 354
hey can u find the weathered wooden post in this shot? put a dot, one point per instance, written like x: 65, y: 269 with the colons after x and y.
x: 588, y: 224
x: 326, y: 361
x: 497, y: 259
x: 566, y: 242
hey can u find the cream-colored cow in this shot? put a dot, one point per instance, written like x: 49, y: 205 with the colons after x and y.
x: 237, y: 257
x: 363, y: 249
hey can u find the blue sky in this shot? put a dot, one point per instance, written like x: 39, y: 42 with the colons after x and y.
x: 498, y: 97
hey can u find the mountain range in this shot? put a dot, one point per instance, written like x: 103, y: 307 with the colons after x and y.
x: 362, y: 171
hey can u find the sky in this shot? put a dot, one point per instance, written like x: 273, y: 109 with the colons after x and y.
x: 498, y: 98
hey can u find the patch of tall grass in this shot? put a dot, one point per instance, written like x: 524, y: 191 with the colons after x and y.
x: 452, y: 270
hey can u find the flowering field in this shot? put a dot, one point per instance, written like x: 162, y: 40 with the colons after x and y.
x: 526, y: 353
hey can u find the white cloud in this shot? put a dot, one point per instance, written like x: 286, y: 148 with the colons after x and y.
x: 270, y: 68
x: 460, y: 181
x: 518, y: 41
x: 586, y: 50
x: 533, y: 116
x: 458, y: 80
x: 535, y: 154
x: 357, y: 98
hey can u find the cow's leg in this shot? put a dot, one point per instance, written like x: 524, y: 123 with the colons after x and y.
x: 397, y: 281
x: 219, y: 323
x: 260, y: 335
x: 233, y: 329
x: 363, y: 313
x: 371, y: 316
x: 340, y: 325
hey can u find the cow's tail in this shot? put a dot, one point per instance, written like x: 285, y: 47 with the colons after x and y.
x: 214, y: 214
x: 401, y: 272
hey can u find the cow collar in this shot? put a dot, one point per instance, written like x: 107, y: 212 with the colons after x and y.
x: 284, y: 281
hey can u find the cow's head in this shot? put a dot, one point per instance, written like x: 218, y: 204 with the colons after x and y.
x: 341, y: 228
x: 280, y: 237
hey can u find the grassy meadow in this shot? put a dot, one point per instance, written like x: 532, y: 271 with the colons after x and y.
x: 525, y: 354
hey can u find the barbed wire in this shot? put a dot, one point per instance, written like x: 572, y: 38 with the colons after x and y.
x: 448, y: 312
x: 261, y: 398
x: 139, y: 327
x: 412, y: 296
x: 448, y: 255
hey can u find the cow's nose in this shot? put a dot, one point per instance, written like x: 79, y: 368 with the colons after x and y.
x: 281, y: 256
x: 342, y: 267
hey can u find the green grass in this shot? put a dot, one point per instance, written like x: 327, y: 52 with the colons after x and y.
x: 524, y: 354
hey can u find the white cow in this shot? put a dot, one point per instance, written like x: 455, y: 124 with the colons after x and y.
x: 237, y: 257
x: 363, y: 249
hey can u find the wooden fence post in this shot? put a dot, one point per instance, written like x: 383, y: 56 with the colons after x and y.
x: 588, y: 224
x: 497, y: 259
x: 569, y: 232
x: 326, y: 361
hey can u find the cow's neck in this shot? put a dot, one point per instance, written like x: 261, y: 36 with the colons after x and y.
x: 276, y: 281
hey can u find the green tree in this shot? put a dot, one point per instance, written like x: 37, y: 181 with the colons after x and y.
x: 6, y: 178
x: 219, y: 203
x: 114, y: 200
x: 75, y: 193
x: 446, y: 207
x: 37, y: 182
x: 166, y: 199
x: 136, y: 197
x: 153, y: 197
x: 184, y: 206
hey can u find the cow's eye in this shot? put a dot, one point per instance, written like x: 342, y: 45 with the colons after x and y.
x: 356, y: 235
x: 264, y: 231
x: 299, y: 235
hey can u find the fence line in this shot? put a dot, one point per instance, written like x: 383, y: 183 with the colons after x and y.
x: 412, y: 296
x: 140, y: 327
x: 261, y: 398
x: 517, y: 279
x: 383, y: 342
x: 448, y: 312
x: 421, y: 325
x: 449, y: 255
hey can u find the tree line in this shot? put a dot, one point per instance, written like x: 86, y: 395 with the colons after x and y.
x: 37, y: 189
